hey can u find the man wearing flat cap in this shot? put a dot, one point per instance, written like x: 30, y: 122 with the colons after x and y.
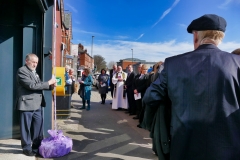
x: 203, y: 87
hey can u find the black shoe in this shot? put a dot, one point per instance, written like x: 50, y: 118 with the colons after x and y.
x: 111, y: 103
x: 82, y: 107
x: 135, y: 118
x: 139, y: 126
x: 119, y: 109
x: 29, y: 153
x: 37, y: 154
x: 102, y: 103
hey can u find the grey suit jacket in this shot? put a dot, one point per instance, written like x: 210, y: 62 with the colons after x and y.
x: 204, y: 89
x: 29, y: 90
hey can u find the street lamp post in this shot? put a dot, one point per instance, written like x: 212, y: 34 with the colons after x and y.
x: 92, y: 53
x: 132, y: 56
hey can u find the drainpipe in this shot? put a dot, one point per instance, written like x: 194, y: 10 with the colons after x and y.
x: 63, y: 47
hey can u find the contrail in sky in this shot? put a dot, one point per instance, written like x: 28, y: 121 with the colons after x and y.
x: 163, y: 15
x: 166, y: 12
x: 140, y: 36
x: 73, y: 9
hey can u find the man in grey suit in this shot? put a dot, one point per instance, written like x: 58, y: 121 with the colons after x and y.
x: 30, y: 100
x: 204, y: 89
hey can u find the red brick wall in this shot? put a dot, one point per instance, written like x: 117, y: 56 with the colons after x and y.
x: 126, y: 63
x: 85, y: 60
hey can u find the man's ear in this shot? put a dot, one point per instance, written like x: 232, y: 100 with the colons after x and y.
x: 195, y: 40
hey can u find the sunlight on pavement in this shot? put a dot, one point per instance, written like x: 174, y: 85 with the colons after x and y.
x: 83, y: 129
x: 11, y: 149
x: 122, y: 121
x: 149, y: 145
x: 105, y: 129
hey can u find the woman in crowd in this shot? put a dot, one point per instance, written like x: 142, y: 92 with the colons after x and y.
x: 85, y: 88
x: 158, y: 67
x: 140, y: 85
x: 103, y: 85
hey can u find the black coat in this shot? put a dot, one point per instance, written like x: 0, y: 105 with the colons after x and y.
x: 204, y: 89
x: 157, y: 121
x: 129, y: 81
x: 111, y: 75
x: 141, y: 84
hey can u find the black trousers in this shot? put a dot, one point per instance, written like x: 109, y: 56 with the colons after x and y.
x: 103, y: 97
x: 112, y: 88
x: 139, y: 107
x: 131, y: 101
x: 31, y: 128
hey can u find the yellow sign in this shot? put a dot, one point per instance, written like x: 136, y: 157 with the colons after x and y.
x: 60, y: 77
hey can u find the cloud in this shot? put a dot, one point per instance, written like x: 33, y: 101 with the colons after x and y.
x: 72, y: 8
x: 166, y: 12
x: 121, y: 37
x: 224, y: 4
x: 182, y: 25
x: 77, y: 30
x: 151, y: 52
x: 77, y: 22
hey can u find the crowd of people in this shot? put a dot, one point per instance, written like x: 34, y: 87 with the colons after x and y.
x: 190, y: 103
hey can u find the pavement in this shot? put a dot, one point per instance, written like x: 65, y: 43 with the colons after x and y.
x: 98, y: 134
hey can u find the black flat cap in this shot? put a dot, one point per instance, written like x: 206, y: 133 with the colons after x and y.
x: 208, y: 22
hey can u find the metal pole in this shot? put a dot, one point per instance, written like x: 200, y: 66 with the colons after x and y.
x: 54, y: 61
x: 132, y: 56
x: 92, y: 53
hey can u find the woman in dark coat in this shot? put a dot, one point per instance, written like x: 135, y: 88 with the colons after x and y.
x: 103, y: 85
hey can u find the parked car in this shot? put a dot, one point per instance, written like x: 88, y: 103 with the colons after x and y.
x: 96, y: 79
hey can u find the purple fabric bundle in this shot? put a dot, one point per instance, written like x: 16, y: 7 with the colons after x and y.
x: 56, y: 145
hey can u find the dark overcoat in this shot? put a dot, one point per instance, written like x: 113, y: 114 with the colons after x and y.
x: 204, y: 89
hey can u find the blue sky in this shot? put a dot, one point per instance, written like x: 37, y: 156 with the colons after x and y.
x: 154, y: 29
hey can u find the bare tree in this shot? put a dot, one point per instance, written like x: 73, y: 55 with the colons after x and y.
x: 99, y: 62
x: 110, y: 64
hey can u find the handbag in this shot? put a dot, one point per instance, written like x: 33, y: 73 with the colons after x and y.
x: 80, y: 91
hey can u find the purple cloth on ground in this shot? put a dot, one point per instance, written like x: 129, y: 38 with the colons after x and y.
x: 56, y: 145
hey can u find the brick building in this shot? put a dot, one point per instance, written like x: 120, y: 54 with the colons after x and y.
x: 125, y: 62
x: 63, y: 36
x: 84, y: 58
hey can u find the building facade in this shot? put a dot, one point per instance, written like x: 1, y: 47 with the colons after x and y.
x: 125, y: 62
x: 26, y: 26
x: 84, y: 58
